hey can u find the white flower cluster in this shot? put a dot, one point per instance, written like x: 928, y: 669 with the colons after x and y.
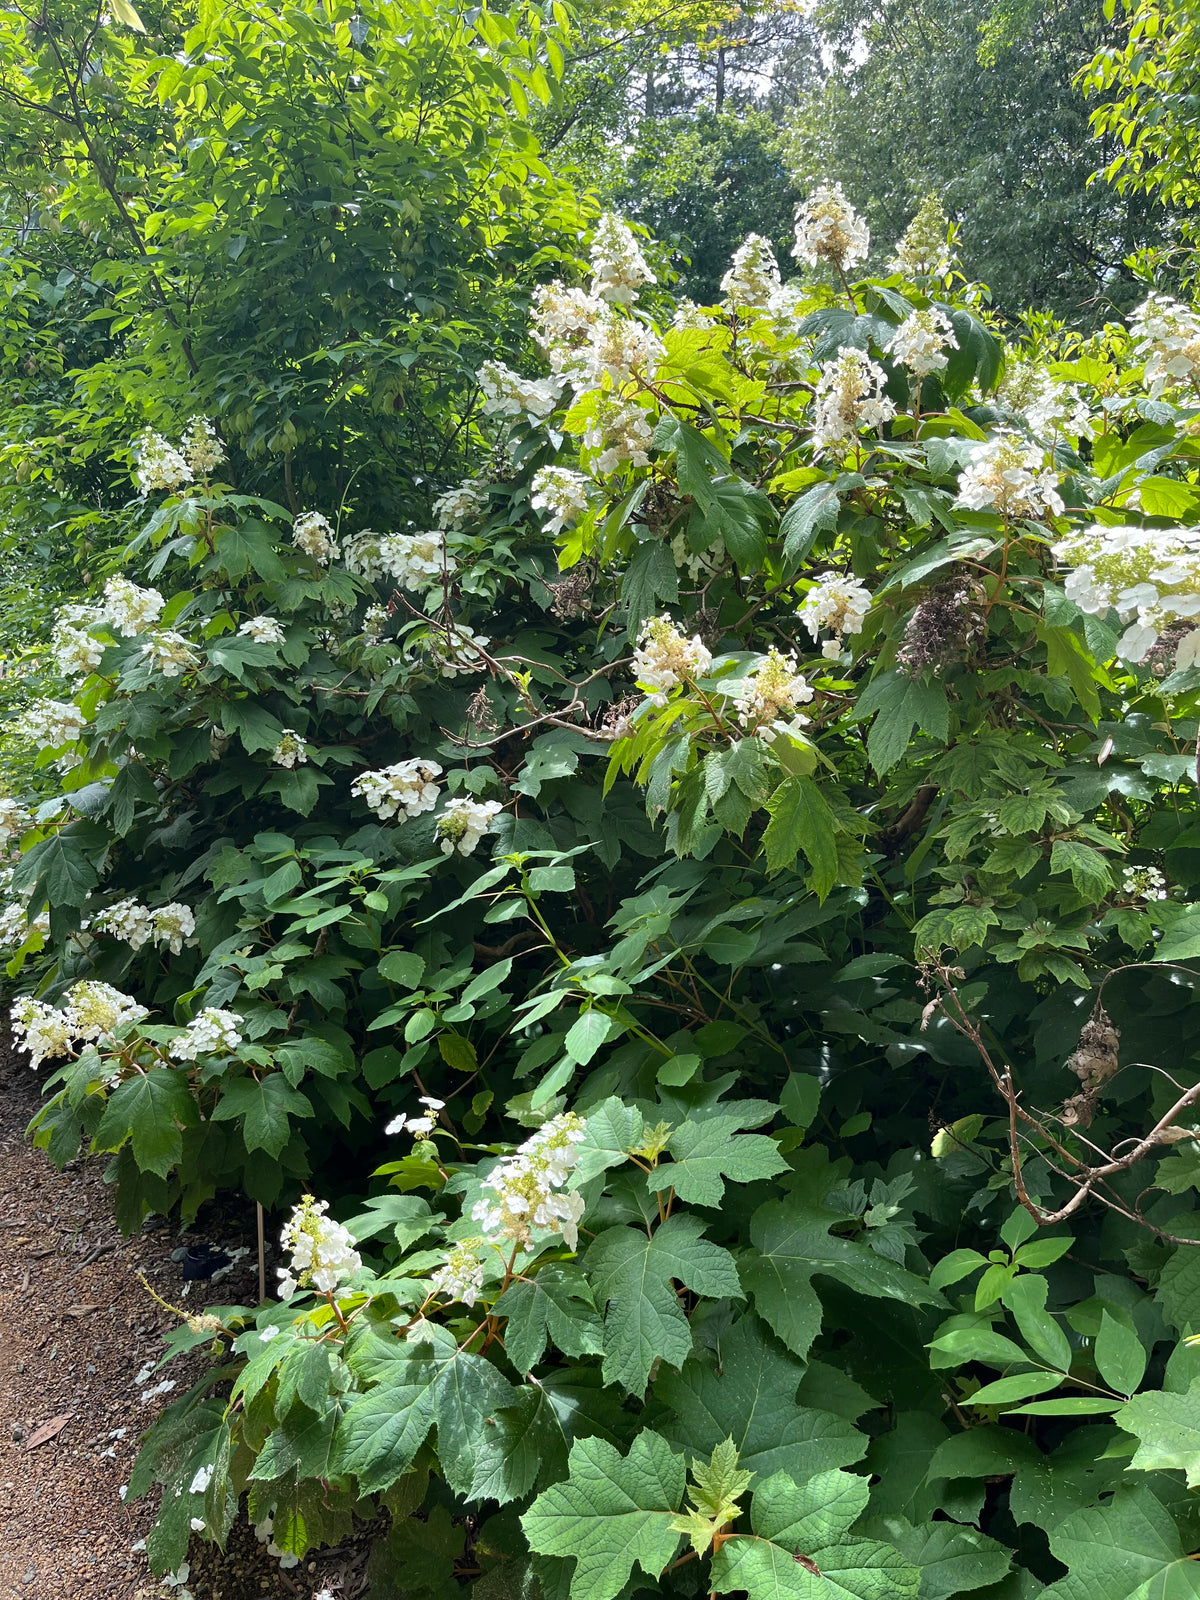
x: 753, y: 275
x: 849, y: 397
x: 1144, y: 883
x: 457, y: 507
x: 170, y: 653
x: 160, y: 465
x: 464, y: 822
x: 922, y: 251
x: 263, y: 630
x: 688, y: 314
x: 665, y: 658
x: 14, y: 819
x: 776, y: 688
x: 210, y: 1032
x: 202, y: 450
x: 375, y: 620
x: 1005, y: 475
x: 619, y: 268
x: 1056, y: 408
x: 617, y: 431
x: 128, y: 609
x: 829, y: 231
x: 923, y: 341
x: 91, y: 1010
x: 563, y: 322
x: 322, y: 1251
x: 561, y: 492
x: 620, y: 349
x: 1166, y: 336
x: 457, y: 651
x: 460, y: 1277
x: 837, y: 603
x: 15, y: 926
x: 76, y: 652
x: 526, y: 1187
x: 291, y: 751
x: 413, y: 560
x: 406, y: 786
x: 136, y: 924
x: 1151, y: 576
x: 313, y: 534
x: 50, y: 724
x: 420, y: 1126
x: 507, y: 394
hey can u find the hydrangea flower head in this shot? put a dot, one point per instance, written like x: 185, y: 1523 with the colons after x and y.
x: 160, y: 465
x: 923, y: 250
x: 202, y: 450
x: 313, y: 534
x: 923, y: 341
x: 322, y: 1251
x: 405, y: 786
x: 753, y: 275
x: 561, y: 492
x: 128, y: 609
x: 1005, y: 475
x: 619, y: 268
x: 210, y: 1032
x: 464, y: 822
x: 829, y: 232
x: 666, y: 658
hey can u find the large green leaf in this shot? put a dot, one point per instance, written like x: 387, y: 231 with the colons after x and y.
x: 555, y: 1304
x: 705, y: 1153
x: 793, y: 1244
x: 265, y: 1104
x: 952, y: 1559
x: 611, y: 1514
x: 1129, y: 1549
x: 149, y: 1110
x: 1168, y: 1428
x: 796, y: 1551
x: 631, y: 1274
x: 749, y: 1395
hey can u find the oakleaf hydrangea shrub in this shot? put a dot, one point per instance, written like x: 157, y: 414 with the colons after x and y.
x: 693, y: 944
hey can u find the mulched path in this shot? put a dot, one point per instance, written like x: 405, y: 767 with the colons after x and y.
x: 77, y: 1331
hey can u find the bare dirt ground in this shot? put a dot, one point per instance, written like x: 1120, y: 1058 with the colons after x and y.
x: 77, y: 1331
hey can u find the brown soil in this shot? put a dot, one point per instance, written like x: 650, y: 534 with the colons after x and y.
x: 77, y: 1329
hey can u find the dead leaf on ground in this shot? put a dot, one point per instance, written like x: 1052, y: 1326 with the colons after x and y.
x: 81, y: 1311
x: 48, y: 1430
